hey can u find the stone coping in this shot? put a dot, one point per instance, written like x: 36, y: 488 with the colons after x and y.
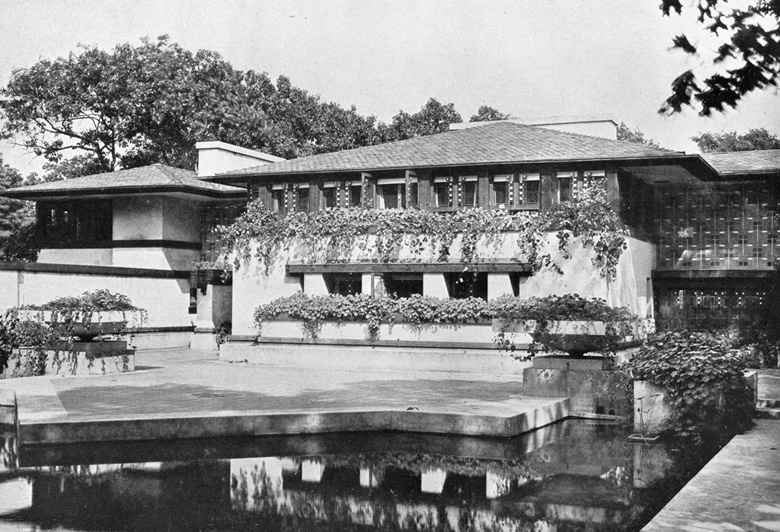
x: 536, y: 413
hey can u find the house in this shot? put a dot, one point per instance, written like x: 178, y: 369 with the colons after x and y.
x: 703, y: 227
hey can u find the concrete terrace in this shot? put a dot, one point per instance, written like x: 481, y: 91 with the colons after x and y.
x: 189, y: 393
x: 739, y: 489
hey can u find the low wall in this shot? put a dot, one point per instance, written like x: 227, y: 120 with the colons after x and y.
x: 164, y: 294
x: 470, y: 364
x: 476, y: 336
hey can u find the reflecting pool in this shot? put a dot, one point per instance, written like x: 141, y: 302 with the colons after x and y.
x: 571, y: 476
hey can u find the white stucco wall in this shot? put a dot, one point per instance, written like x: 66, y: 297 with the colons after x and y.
x: 166, y: 300
x: 181, y: 220
x: 89, y: 257
x: 138, y: 218
x: 252, y: 287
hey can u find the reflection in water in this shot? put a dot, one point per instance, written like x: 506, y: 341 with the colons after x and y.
x: 570, y: 476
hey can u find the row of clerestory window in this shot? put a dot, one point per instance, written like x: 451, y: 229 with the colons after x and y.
x: 509, y: 191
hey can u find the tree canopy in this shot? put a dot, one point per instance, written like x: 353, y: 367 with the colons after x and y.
x: 488, y: 114
x: 627, y: 134
x: 754, y: 139
x: 133, y: 105
x: 17, y: 220
x: 747, y: 58
x: 433, y: 117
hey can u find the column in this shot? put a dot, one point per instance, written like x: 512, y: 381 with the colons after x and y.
x: 435, y: 285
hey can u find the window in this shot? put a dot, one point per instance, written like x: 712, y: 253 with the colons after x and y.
x: 502, y: 190
x: 391, y: 193
x: 442, y: 192
x: 467, y: 284
x: 344, y: 284
x: 302, y: 198
x: 565, y: 185
x: 330, y: 195
x: 468, y: 191
x: 279, y: 198
x: 83, y: 221
x: 531, y: 188
x: 355, y: 194
x: 403, y: 284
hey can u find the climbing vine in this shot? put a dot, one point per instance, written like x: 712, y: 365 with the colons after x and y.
x: 339, y: 235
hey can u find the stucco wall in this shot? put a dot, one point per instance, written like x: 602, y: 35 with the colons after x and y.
x: 252, y: 287
x: 138, y: 218
x: 181, y: 220
x: 166, y: 300
x: 89, y: 257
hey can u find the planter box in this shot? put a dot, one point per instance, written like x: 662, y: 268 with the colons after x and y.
x: 100, y: 323
x: 428, y: 334
x: 86, y: 358
x: 573, y: 337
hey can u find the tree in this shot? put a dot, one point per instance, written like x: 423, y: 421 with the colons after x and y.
x: 747, y: 59
x: 488, y: 114
x: 300, y: 124
x: 17, y: 220
x: 433, y: 117
x: 754, y: 139
x: 134, y: 105
x: 635, y: 136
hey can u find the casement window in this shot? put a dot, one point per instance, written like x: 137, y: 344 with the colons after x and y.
x: 530, y: 188
x: 503, y: 190
x: 467, y: 191
x: 403, y: 284
x: 355, y: 194
x: 396, y: 192
x: 467, y: 284
x: 565, y: 185
x: 80, y: 220
x: 595, y: 177
x: 343, y: 284
x: 301, y: 197
x: 279, y: 197
x: 330, y: 195
x: 442, y: 192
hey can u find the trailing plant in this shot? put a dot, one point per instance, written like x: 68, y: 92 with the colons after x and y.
x: 703, y: 381
x: 97, y: 301
x: 334, y: 235
x: 8, y: 337
x: 544, y: 311
x: 417, y: 310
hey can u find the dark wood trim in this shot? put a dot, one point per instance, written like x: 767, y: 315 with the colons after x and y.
x: 379, y: 343
x: 409, y: 267
x: 178, y: 328
x: 99, y: 244
x: 115, y: 191
x: 662, y: 275
x: 78, y: 269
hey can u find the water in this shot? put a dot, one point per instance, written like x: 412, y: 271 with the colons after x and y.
x: 571, y: 476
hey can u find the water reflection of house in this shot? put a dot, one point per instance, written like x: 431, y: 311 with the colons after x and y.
x: 705, y: 234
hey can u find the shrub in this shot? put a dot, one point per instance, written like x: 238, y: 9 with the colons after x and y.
x: 97, y: 301
x: 703, y: 379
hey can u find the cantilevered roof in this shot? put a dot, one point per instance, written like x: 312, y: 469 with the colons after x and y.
x: 499, y: 143
x: 156, y: 178
x: 744, y: 162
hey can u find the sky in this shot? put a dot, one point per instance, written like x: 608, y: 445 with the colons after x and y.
x: 588, y: 58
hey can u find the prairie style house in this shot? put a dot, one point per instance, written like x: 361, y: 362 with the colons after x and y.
x: 704, y: 232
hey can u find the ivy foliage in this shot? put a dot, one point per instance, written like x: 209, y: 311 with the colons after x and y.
x: 18, y: 333
x: 545, y: 311
x: 703, y: 379
x: 100, y: 300
x: 419, y: 310
x: 362, y: 308
x: 331, y: 235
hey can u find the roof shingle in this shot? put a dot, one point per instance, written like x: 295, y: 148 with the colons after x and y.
x: 744, y: 162
x: 155, y: 177
x: 502, y: 142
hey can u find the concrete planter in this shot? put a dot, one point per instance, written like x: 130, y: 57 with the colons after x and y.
x: 88, y: 326
x: 573, y: 337
x: 406, y: 333
x: 84, y: 358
